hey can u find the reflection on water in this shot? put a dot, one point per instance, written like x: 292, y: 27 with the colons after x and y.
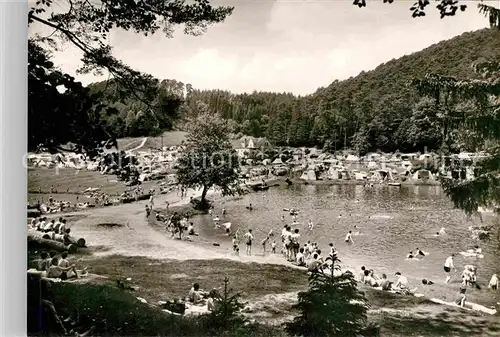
x: 393, y: 221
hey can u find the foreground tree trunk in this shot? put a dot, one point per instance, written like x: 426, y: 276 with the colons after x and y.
x: 204, y: 194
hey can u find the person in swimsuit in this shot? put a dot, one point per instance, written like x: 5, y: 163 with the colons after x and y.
x: 248, y: 240
x: 493, y: 284
x: 460, y: 299
x: 448, y: 265
x: 419, y: 252
x: 410, y: 255
x: 348, y: 238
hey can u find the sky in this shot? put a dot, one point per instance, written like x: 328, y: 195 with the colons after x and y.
x: 283, y: 46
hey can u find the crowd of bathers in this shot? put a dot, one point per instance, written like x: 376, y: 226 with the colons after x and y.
x: 51, y: 264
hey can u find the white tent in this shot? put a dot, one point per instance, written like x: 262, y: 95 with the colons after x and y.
x: 423, y: 175
x: 352, y: 158
x: 308, y: 175
x: 278, y: 161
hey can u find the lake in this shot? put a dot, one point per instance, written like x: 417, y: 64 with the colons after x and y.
x: 392, y: 221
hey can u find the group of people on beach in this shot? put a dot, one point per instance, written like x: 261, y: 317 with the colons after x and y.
x: 53, y: 265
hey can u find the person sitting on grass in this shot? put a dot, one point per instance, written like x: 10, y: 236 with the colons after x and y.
x: 56, y: 271
x: 300, y: 259
x: 402, y: 282
x: 44, y: 262
x: 370, y: 279
x: 213, y: 299
x: 195, y: 294
x: 385, y: 283
x: 314, y: 265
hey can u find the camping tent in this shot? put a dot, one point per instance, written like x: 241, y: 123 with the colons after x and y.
x: 308, y: 175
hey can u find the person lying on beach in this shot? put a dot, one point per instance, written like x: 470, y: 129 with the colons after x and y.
x: 427, y: 282
x: 410, y: 255
x: 493, y: 284
x: 44, y: 262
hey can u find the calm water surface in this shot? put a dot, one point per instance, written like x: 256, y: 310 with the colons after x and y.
x: 392, y: 222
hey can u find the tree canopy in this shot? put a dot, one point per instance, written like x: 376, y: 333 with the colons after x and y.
x: 87, y: 25
x: 208, y: 159
x: 481, y: 118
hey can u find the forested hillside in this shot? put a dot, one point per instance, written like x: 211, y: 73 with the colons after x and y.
x: 378, y: 109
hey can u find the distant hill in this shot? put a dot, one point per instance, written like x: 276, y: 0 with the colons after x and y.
x: 374, y: 110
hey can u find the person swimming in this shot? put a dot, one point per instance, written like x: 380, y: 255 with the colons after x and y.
x: 310, y: 225
x: 419, y: 252
x: 427, y: 282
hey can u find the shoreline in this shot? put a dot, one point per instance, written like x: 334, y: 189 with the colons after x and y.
x: 202, y: 249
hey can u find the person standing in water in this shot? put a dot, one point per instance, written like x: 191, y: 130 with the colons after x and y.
x: 264, y: 242
x: 448, y: 265
x: 348, y: 238
x: 248, y: 240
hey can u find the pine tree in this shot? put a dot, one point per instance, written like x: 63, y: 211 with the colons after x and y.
x: 484, y: 120
x: 226, y: 316
x: 333, y: 306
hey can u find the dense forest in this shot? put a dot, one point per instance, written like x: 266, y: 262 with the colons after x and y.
x: 376, y: 110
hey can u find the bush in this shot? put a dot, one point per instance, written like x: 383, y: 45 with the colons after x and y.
x: 333, y: 306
